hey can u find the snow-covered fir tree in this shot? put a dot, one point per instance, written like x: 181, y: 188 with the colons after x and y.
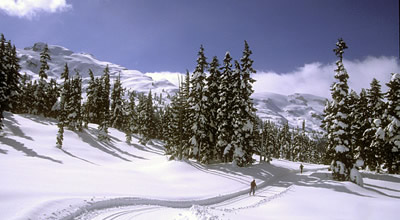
x: 89, y: 107
x: 103, y: 104
x: 374, y: 116
x: 285, y: 142
x: 9, y: 77
x: 339, y: 131
x: 117, y: 103
x: 3, y: 79
x: 60, y: 135
x: 224, y: 116
x: 145, y: 123
x: 359, y: 117
x: 74, y: 106
x: 213, y: 93
x: 65, y: 96
x: 198, y: 100
x: 13, y: 77
x: 130, y: 117
x: 391, y: 150
x: 247, y: 106
x: 41, y: 96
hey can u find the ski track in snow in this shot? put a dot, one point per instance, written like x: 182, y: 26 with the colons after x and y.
x: 129, y: 207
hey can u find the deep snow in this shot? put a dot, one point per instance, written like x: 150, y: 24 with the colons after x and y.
x: 89, y: 179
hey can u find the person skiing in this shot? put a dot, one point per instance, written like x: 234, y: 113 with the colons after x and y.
x: 253, y: 187
x: 301, y: 168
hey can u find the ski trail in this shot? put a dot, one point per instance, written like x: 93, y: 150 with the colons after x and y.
x: 128, y: 207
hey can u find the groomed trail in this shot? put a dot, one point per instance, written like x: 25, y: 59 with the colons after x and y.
x: 131, y: 207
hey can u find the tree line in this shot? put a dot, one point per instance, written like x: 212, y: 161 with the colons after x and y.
x: 211, y: 118
x: 362, y: 130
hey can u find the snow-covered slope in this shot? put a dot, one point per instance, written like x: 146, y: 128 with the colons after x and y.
x: 82, y: 62
x: 89, y: 179
x: 293, y: 109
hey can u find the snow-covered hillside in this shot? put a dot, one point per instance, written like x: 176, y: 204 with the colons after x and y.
x: 82, y: 62
x: 293, y: 109
x: 89, y: 179
x: 275, y: 107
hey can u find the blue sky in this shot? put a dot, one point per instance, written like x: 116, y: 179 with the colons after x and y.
x: 161, y: 35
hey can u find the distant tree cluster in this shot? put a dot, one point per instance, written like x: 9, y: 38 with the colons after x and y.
x: 363, y: 130
x: 295, y: 144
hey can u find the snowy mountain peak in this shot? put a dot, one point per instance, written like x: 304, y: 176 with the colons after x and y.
x: 82, y: 62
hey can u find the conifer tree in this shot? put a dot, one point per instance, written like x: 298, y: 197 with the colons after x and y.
x: 340, y: 128
x: 359, y: 117
x: 74, y: 107
x: 41, y: 96
x: 248, y: 110
x: 224, y: 117
x: 200, y: 141
x: 104, y: 105
x: 391, y: 150
x: 374, y: 114
x: 60, y: 135
x: 9, y: 77
x: 65, y: 97
x: 213, y: 93
x: 238, y: 123
x: 13, y: 78
x: 117, y: 118
x: 91, y: 107
x: 3, y: 78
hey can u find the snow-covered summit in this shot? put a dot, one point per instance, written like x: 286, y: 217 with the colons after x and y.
x: 292, y: 109
x: 82, y: 62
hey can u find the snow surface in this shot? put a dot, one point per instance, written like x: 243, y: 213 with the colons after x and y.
x: 89, y: 179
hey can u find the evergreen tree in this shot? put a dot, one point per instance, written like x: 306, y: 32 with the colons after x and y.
x: 41, y: 97
x: 74, y: 106
x: 213, y: 94
x: 359, y: 117
x: 90, y: 107
x: 285, y: 142
x: 374, y: 112
x: 200, y: 140
x: 224, y: 117
x: 60, y: 135
x: 145, y: 112
x: 13, y: 78
x: 9, y: 77
x: 117, y: 119
x: 237, y: 114
x: 103, y: 92
x: 3, y: 79
x: 65, y: 97
x: 44, y: 66
x: 248, y: 110
x: 391, y: 150
x: 340, y: 128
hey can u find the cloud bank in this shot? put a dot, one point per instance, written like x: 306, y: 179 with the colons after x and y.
x: 30, y: 8
x: 316, y: 78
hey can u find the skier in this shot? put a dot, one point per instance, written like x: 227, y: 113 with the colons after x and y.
x: 301, y: 168
x: 253, y: 187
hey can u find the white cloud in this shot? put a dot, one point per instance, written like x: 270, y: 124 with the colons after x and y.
x: 316, y: 78
x: 173, y: 77
x: 30, y: 8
